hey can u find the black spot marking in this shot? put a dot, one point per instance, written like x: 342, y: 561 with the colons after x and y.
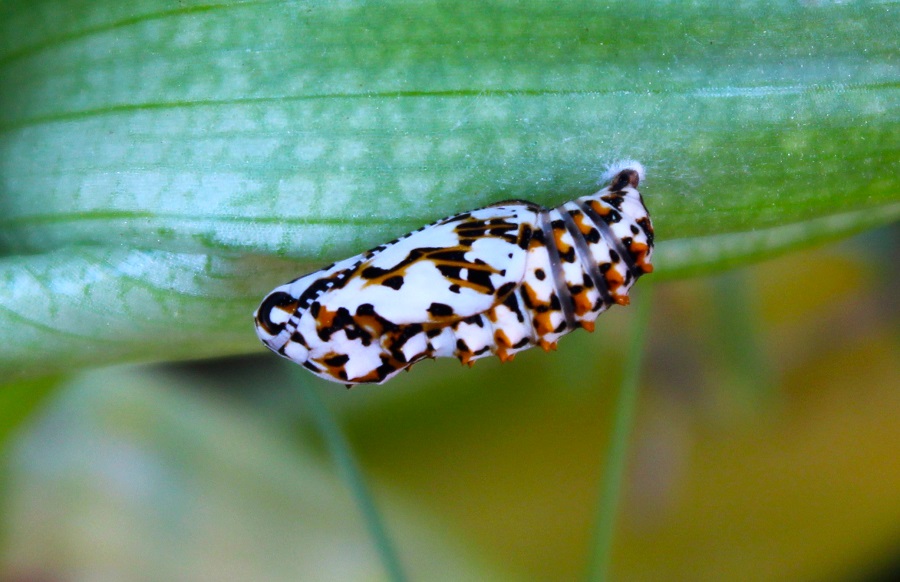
x: 634, y: 229
x: 614, y: 256
x: 342, y: 319
x: 606, y: 266
x: 452, y: 255
x: 593, y: 236
x: 398, y: 355
x: 433, y: 332
x: 461, y: 346
x: 275, y: 301
x: 338, y: 360
x: 513, y: 305
x: 353, y: 332
x: 406, y: 333
x: 568, y: 256
x: 527, y: 301
x: 449, y: 271
x: 310, y: 366
x: 521, y: 343
x: 505, y: 289
x: 394, y: 282
x: 644, y: 223
x: 385, y: 369
x: 555, y: 305
x: 454, y: 288
x: 440, y: 310
x: 474, y: 320
x: 615, y: 200
x: 373, y: 272
x: 481, y: 278
x: 561, y: 327
x: 367, y: 309
x: 314, y: 308
x: 540, y: 274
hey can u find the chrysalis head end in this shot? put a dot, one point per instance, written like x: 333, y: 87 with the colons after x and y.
x: 624, y: 173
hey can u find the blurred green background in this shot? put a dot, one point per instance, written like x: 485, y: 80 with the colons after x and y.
x: 162, y: 166
x: 765, y: 448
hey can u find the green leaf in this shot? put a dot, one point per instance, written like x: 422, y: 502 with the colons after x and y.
x: 155, y: 160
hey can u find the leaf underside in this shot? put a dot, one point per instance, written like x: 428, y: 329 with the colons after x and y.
x: 162, y: 168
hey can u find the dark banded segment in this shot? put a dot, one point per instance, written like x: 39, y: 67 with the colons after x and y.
x: 559, y: 278
x: 610, y: 237
x: 585, y: 256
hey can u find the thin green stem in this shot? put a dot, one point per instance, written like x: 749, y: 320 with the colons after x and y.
x: 614, y: 469
x: 737, y: 341
x: 349, y: 470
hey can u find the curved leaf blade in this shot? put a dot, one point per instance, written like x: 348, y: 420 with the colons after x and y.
x: 222, y: 133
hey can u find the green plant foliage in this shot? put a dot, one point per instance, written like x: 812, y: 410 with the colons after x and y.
x: 163, y: 165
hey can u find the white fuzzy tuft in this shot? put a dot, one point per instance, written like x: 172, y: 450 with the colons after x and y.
x: 617, y: 167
